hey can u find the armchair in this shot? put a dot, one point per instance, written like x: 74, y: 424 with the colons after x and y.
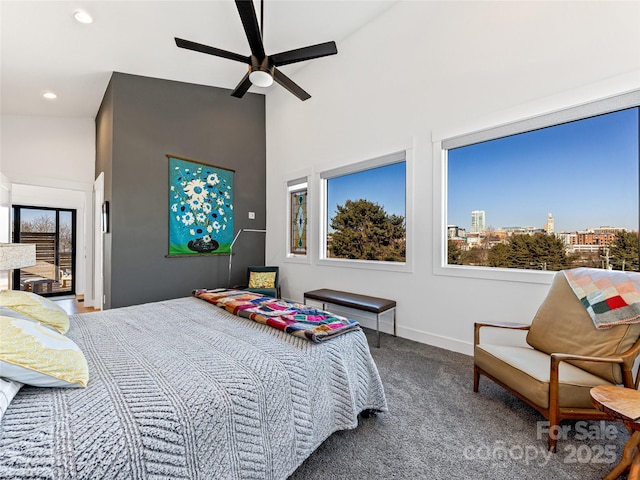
x: 263, y: 280
x: 564, y: 358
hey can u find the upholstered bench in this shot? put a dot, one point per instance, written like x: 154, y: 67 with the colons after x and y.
x: 356, y: 301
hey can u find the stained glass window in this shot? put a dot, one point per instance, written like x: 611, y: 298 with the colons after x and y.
x: 298, y: 209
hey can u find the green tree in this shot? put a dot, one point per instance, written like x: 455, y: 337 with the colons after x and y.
x: 624, y: 251
x: 548, y: 252
x: 476, y: 256
x: 454, y: 254
x: 499, y: 256
x: 520, y: 251
x: 537, y: 252
x: 364, y: 231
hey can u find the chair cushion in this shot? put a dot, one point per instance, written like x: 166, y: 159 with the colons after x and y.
x: 562, y: 325
x: 527, y: 371
x: 267, y: 292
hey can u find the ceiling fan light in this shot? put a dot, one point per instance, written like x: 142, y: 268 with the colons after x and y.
x: 82, y: 16
x: 260, y: 78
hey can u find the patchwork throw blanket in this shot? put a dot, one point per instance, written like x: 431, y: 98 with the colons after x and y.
x: 299, y: 320
x: 610, y: 297
x: 183, y: 390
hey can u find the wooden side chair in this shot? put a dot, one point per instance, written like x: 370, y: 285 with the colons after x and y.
x: 564, y: 358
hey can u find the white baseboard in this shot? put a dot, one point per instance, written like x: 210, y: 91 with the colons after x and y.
x: 440, y: 341
x: 368, y: 320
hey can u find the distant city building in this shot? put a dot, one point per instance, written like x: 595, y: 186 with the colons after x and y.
x: 549, y: 226
x: 592, y: 240
x: 522, y: 230
x: 474, y: 239
x: 606, y: 230
x: 477, y: 221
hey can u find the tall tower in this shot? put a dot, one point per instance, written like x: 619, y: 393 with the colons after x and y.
x: 549, y: 228
x: 477, y: 221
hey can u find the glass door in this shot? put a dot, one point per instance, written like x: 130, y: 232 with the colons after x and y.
x: 53, y: 232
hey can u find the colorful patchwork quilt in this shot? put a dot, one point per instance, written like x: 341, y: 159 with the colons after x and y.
x: 610, y: 297
x: 297, y: 319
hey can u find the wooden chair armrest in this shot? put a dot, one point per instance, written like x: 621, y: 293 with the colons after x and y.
x: 557, y: 358
x: 554, y: 379
x: 626, y: 361
x: 511, y: 326
x: 563, y: 357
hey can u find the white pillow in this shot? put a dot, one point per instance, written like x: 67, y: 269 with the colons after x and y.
x: 8, y: 390
x: 35, y: 354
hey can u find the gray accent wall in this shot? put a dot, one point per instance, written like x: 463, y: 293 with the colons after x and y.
x: 140, y: 121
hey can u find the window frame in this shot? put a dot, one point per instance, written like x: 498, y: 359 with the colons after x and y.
x: 290, y: 186
x: 297, y: 186
x: 580, y: 104
x: 406, y: 156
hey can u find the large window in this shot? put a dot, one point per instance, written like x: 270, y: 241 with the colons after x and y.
x: 366, y: 210
x: 549, y: 193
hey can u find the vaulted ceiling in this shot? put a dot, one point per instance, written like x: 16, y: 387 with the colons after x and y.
x: 43, y: 48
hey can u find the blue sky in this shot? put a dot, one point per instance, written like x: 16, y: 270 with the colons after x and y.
x: 383, y: 185
x: 585, y: 173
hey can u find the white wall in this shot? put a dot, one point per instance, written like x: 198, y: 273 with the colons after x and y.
x: 50, y: 163
x: 5, y: 221
x: 425, y: 67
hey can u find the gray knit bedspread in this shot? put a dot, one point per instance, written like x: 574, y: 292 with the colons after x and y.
x: 182, y: 389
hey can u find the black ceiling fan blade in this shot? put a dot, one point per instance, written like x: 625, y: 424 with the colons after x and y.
x: 251, y: 28
x: 198, y: 47
x: 242, y: 87
x: 305, y: 53
x: 290, y: 85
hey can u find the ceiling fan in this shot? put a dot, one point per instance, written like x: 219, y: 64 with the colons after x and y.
x: 263, y: 69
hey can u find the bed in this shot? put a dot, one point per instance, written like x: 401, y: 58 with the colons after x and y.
x: 184, y: 389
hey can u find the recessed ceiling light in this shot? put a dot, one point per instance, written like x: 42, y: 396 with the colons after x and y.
x: 82, y: 16
x: 49, y: 95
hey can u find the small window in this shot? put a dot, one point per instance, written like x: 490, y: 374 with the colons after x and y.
x: 298, y: 217
x: 366, y: 211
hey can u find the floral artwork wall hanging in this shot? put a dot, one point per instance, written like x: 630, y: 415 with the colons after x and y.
x: 200, y: 208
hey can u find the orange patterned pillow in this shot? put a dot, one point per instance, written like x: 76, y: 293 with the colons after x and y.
x: 262, y: 280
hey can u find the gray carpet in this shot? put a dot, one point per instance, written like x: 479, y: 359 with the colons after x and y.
x: 438, y: 428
